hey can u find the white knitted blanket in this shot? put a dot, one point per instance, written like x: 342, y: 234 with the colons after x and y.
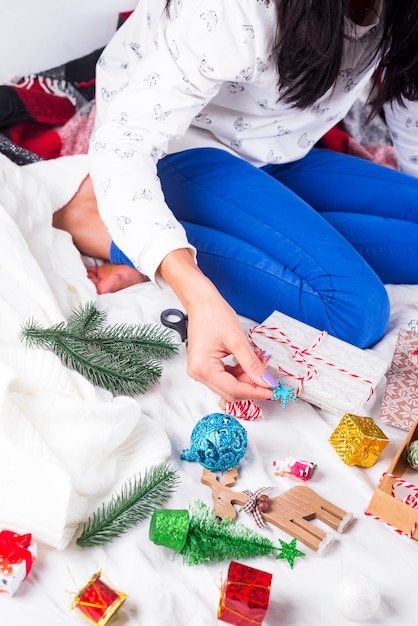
x: 64, y: 444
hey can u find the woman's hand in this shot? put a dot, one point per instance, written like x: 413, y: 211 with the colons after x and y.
x: 214, y: 333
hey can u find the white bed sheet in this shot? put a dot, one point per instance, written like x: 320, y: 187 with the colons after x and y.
x: 162, y: 590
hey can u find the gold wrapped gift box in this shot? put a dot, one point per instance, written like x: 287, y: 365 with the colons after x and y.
x: 358, y: 440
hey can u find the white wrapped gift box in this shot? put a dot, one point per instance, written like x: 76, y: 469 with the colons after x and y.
x: 15, y: 566
x: 326, y: 372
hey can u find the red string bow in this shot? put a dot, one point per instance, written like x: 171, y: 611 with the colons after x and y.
x: 14, y: 549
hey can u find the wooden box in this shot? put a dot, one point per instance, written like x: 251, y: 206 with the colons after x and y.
x: 385, y: 506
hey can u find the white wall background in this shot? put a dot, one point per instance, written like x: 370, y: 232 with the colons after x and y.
x: 38, y: 34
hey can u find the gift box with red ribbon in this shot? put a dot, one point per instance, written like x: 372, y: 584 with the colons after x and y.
x: 17, y: 555
x: 245, y: 595
x: 323, y: 370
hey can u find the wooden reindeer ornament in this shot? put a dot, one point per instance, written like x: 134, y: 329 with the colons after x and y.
x: 291, y: 511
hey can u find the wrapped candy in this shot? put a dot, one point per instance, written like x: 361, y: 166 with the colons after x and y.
x: 97, y: 601
x: 17, y: 555
x: 245, y: 596
x: 358, y: 440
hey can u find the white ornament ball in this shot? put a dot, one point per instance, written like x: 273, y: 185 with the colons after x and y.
x: 356, y: 596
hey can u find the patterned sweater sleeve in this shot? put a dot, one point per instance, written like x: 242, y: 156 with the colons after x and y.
x: 403, y: 125
x: 154, y: 77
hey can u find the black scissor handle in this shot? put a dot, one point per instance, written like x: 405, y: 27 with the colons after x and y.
x: 175, y: 319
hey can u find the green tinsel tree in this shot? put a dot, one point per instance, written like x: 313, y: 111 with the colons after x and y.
x: 212, y: 540
x: 200, y: 537
x: 137, y: 499
x: 122, y: 358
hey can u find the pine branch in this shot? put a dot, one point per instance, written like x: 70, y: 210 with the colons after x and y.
x: 128, y: 373
x: 122, y: 358
x: 149, y: 338
x: 145, y: 338
x: 87, y: 318
x: 136, y: 501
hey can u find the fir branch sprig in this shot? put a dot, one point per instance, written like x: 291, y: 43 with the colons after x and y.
x: 88, y: 320
x: 123, y: 358
x: 135, y: 502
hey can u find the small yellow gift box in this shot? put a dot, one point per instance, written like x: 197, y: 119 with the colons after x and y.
x: 358, y: 440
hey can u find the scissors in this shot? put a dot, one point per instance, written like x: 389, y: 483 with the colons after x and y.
x: 176, y: 319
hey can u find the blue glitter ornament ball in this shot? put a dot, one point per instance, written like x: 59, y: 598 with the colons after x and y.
x: 218, y: 442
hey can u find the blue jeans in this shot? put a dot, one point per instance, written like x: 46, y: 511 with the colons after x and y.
x: 315, y: 239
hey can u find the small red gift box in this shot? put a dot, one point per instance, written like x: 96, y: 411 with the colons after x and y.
x: 97, y: 601
x: 17, y: 555
x: 245, y: 595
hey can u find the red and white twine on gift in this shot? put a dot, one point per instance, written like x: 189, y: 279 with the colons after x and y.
x: 410, y: 534
x: 299, y: 356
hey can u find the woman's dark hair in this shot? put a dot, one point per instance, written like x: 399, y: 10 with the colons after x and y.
x: 309, y: 44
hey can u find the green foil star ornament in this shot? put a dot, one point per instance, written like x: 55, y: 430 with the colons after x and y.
x: 283, y: 393
x: 289, y: 551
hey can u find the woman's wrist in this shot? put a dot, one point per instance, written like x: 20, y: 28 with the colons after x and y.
x: 179, y: 270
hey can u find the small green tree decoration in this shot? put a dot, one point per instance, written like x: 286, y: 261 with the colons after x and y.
x: 122, y: 358
x: 137, y: 499
x: 200, y: 537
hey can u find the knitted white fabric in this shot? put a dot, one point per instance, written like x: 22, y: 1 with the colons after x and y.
x: 65, y: 445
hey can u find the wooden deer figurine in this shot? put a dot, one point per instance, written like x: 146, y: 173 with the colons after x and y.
x: 292, y: 511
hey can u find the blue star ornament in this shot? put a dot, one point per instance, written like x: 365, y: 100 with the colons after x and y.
x: 283, y: 393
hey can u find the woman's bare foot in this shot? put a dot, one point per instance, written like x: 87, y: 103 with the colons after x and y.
x: 80, y: 217
x: 109, y: 278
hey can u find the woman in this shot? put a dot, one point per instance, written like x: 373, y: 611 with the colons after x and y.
x: 208, y: 113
